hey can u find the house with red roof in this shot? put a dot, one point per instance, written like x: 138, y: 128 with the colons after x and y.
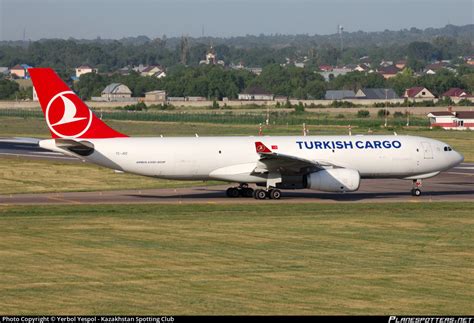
x: 18, y: 71
x: 456, y: 93
x: 388, y: 71
x: 452, y: 120
x: 326, y: 68
x: 418, y: 92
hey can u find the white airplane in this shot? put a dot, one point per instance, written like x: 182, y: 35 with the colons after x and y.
x: 324, y: 163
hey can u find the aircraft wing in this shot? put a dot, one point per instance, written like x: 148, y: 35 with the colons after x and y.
x: 272, y: 161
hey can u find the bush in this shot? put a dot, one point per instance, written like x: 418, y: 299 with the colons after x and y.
x: 215, y: 105
x: 342, y: 104
x: 466, y: 103
x: 299, y: 108
x: 382, y: 113
x: 363, y: 114
x: 340, y: 116
x: 134, y: 107
x: 398, y: 114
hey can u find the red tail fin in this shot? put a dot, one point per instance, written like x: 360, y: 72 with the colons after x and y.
x: 261, y: 148
x: 66, y: 115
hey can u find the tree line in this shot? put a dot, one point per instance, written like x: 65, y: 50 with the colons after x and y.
x: 111, y: 55
x: 216, y: 82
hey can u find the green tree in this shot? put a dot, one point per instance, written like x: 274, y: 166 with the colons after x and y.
x: 8, y: 89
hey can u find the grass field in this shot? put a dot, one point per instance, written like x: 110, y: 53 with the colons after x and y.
x: 235, y: 259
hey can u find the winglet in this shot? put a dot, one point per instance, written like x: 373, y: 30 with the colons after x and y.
x: 261, y: 148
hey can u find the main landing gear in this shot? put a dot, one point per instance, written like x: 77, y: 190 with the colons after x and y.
x: 242, y: 190
x: 273, y: 194
x: 415, y: 191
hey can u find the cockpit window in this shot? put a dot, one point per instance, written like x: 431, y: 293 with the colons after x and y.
x: 447, y: 148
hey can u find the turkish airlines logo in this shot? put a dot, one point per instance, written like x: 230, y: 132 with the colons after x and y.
x: 67, y: 116
x: 260, y: 147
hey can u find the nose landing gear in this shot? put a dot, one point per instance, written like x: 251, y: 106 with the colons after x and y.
x: 416, y: 191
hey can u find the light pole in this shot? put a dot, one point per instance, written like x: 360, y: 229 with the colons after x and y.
x: 385, y: 111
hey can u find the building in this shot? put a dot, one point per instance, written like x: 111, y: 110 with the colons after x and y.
x: 460, y: 120
x: 85, y: 69
x: 401, y: 64
x: 376, y: 94
x: 255, y: 70
x: 300, y: 64
x: 339, y: 95
x: 362, y: 68
x: 153, y: 71
x: 155, y: 96
x: 18, y: 71
x: 335, y: 72
x: 455, y: 94
x: 256, y: 93
x: 388, y: 71
x: 4, y: 70
x: 418, y: 93
x: 432, y: 69
x: 195, y: 98
x: 469, y: 60
x: 116, y: 92
x: 211, y: 58
x: 35, y: 95
x: 385, y: 63
x: 325, y: 68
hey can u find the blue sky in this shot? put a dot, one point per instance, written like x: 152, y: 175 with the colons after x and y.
x: 120, y: 18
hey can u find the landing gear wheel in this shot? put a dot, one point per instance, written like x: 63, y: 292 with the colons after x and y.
x: 275, y: 194
x: 232, y: 192
x: 415, y: 191
x: 246, y: 192
x: 260, y: 194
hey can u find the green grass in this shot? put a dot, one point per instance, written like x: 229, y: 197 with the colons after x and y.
x: 261, y: 259
x: 39, y: 176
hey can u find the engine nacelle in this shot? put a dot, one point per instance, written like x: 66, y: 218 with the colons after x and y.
x: 334, y: 180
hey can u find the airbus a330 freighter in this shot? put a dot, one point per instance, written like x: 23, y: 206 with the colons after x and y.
x: 324, y: 163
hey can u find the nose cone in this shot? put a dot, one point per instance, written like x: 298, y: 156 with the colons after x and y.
x: 459, y: 158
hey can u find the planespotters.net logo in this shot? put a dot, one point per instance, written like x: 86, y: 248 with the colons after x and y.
x: 395, y: 319
x: 67, y: 116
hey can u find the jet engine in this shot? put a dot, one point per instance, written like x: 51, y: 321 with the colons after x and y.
x: 334, y: 180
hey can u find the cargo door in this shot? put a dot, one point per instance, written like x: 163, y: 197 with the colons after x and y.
x: 427, y: 152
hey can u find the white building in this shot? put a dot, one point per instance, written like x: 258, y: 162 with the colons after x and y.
x: 256, y: 93
x: 460, y: 120
x: 84, y: 69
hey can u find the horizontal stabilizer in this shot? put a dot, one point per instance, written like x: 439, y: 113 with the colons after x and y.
x: 82, y: 148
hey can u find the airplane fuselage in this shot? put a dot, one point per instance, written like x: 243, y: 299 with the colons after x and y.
x: 235, y: 159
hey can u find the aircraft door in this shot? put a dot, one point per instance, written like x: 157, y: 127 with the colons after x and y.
x: 427, y: 152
